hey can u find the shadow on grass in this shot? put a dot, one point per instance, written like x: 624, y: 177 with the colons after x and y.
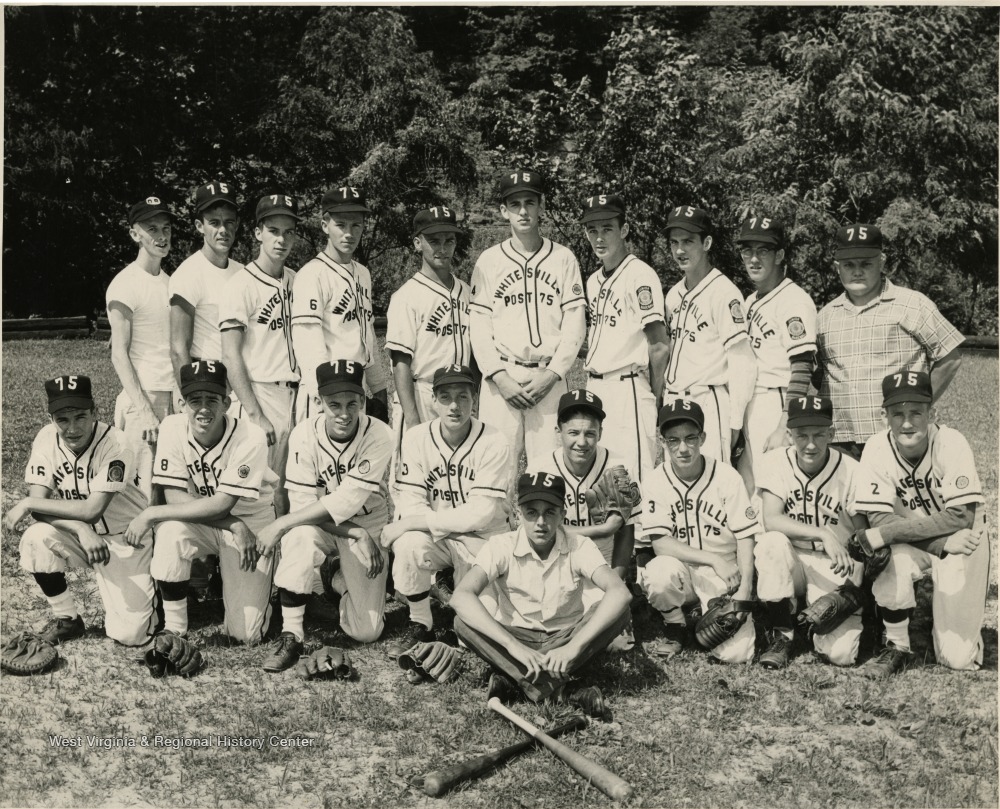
x: 989, y: 649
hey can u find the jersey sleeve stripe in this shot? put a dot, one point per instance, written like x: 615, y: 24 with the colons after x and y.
x: 740, y: 335
x: 160, y: 477
x: 963, y: 498
x: 873, y: 505
x: 307, y: 317
x: 573, y: 302
x: 366, y: 481
x: 481, y: 306
x: 255, y: 489
x: 418, y: 486
x: 489, y: 489
x: 392, y: 345
x: 306, y: 486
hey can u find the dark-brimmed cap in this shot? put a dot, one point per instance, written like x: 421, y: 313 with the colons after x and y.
x: 521, y: 180
x: 541, y: 486
x: 907, y: 386
x: 680, y: 410
x: 810, y: 411
x: 69, y: 391
x: 147, y: 208
x: 277, y: 205
x: 453, y: 375
x: 340, y: 376
x: 602, y: 206
x: 437, y: 219
x: 858, y: 241
x: 204, y: 375
x: 345, y: 199
x: 580, y: 399
x: 207, y: 195
x: 689, y: 218
x: 762, y: 229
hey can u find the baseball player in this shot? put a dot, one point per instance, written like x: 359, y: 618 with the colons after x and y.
x: 213, y: 469
x: 711, y: 361
x: 451, y: 497
x: 919, y: 487
x: 806, y: 490
x: 702, y: 526
x: 82, y: 494
x: 528, y: 322
x: 537, y: 630
x: 332, y: 315
x: 255, y: 321
x: 138, y: 304
x: 627, y: 348
x: 336, y: 463
x: 196, y: 287
x: 428, y: 320
x: 781, y: 322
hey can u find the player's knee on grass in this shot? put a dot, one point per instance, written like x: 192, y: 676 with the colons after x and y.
x: 840, y: 647
x: 893, y: 589
x: 956, y: 652
x: 36, y: 551
x: 773, y: 560
x: 664, y: 580
x: 412, y: 569
x: 740, y: 648
x: 168, y: 562
x: 301, y: 557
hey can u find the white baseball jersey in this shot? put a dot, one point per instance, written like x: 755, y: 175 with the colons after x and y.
x: 945, y: 476
x: 696, y: 512
x: 106, y: 465
x: 621, y: 305
x: 703, y: 322
x: 526, y: 297
x: 340, y: 473
x: 821, y: 499
x: 430, y: 323
x: 236, y: 465
x: 149, y: 299
x: 261, y: 306
x: 781, y: 324
x: 198, y: 281
x: 577, y: 512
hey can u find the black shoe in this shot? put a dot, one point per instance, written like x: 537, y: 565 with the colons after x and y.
x: 415, y: 633
x: 779, y: 652
x: 443, y: 587
x: 674, y: 639
x: 61, y: 629
x: 590, y: 700
x: 284, y: 654
x: 501, y: 687
x: 891, y: 660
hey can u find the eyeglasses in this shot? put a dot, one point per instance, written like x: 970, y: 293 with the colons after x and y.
x: 758, y: 252
x: 688, y: 441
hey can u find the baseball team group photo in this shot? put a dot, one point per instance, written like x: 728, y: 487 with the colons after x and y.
x: 557, y: 406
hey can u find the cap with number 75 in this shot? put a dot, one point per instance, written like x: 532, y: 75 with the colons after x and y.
x: 858, y: 241
x: 69, y: 391
x: 906, y: 386
x: 438, y: 219
x: 345, y: 199
x: 277, y: 205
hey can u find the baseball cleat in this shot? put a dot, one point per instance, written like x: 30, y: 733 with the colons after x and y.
x: 778, y: 653
x: 891, y: 660
x: 285, y: 653
x: 590, y: 700
x: 415, y: 633
x: 61, y: 628
x: 501, y: 687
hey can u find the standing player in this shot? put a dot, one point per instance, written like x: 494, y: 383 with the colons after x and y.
x: 81, y: 492
x: 138, y: 304
x: 528, y: 322
x: 332, y: 315
x: 805, y: 492
x: 919, y: 487
x: 627, y: 345
x: 698, y: 516
x: 196, y: 287
x: 781, y: 322
x: 213, y: 469
x: 336, y: 463
x: 451, y: 491
x: 711, y: 361
x: 255, y: 322
x: 428, y: 320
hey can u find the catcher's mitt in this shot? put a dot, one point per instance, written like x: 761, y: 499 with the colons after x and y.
x: 326, y: 663
x: 721, y: 621
x: 27, y: 653
x: 828, y: 612
x: 874, y: 560
x: 613, y: 491
x: 377, y: 409
x: 436, y: 660
x: 172, y: 654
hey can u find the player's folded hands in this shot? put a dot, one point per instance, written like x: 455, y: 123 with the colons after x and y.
x: 511, y: 390
x: 390, y: 533
x: 269, y: 537
x: 531, y: 659
x: 539, y: 385
x: 558, y: 661
x: 728, y: 572
x: 370, y: 554
x: 96, y: 547
x: 840, y: 560
x: 246, y: 543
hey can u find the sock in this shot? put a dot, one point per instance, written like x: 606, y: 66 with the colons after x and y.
x: 420, y: 609
x: 175, y: 616
x: 63, y: 605
x: 291, y: 620
x: 51, y: 584
x: 898, y: 634
x: 779, y: 613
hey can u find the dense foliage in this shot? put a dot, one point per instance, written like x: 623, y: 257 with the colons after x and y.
x: 819, y: 116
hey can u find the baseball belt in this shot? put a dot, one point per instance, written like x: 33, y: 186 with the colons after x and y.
x: 523, y: 364
x: 592, y: 375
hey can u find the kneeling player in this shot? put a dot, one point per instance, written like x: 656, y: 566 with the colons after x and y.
x: 219, y: 490
x: 451, y: 495
x: 702, y: 525
x: 540, y: 631
x: 336, y: 462
x: 919, y: 487
x: 82, y: 492
x: 805, y: 491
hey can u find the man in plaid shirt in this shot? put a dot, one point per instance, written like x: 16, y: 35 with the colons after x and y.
x: 876, y: 328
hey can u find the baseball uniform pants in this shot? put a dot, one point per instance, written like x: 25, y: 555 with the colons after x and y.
x: 670, y: 584
x: 417, y: 557
x: 629, y: 430
x: 787, y: 571
x: 714, y: 402
x: 126, y: 420
x: 125, y: 583
x: 761, y: 419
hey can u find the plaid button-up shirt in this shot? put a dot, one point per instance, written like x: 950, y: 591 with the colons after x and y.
x: 859, y: 346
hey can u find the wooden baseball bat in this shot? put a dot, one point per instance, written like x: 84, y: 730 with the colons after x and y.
x: 610, y: 784
x: 437, y: 782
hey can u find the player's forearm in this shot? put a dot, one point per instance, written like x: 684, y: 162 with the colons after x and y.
x: 181, y: 335
x: 668, y: 546
x: 621, y: 553
x: 745, y: 562
x: 74, y: 528
x: 122, y: 364
x: 741, y: 371
x: 201, y: 510
x: 475, y: 515
x: 943, y: 372
x: 87, y: 511
x: 574, y: 329
x: 659, y: 355
x: 613, y: 603
x: 239, y: 377
x: 791, y: 528
x: 889, y: 531
x: 801, y: 369
x: 402, y: 376
x: 608, y: 528
x: 483, y: 345
x: 345, y: 502
x: 310, y: 353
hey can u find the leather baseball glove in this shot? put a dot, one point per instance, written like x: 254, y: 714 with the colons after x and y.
x: 875, y: 560
x: 436, y: 660
x: 828, y: 612
x: 614, y: 491
x: 722, y: 620
x: 326, y: 663
x: 172, y: 654
x: 27, y: 653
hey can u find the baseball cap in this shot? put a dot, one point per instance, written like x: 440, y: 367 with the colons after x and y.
x: 69, y: 391
x: 541, y: 486
x: 906, y: 386
x: 146, y: 208
x: 521, y: 180
x: 207, y: 195
x: 438, y: 219
x: 689, y: 218
x: 204, y: 375
x: 345, y: 199
x: 762, y: 229
x: 453, y: 375
x: 809, y: 411
x: 680, y: 410
x: 340, y: 376
x: 858, y: 241
x: 580, y: 399
x: 602, y: 206
x: 277, y: 205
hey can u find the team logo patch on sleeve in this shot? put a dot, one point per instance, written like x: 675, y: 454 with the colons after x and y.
x: 796, y: 329
x: 962, y: 482
x: 750, y: 513
x: 243, y: 471
x: 736, y: 311
x: 116, y: 472
x: 577, y: 289
x: 645, y: 296
x: 364, y: 467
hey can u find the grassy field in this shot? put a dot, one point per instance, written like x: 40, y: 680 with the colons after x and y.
x: 689, y: 734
